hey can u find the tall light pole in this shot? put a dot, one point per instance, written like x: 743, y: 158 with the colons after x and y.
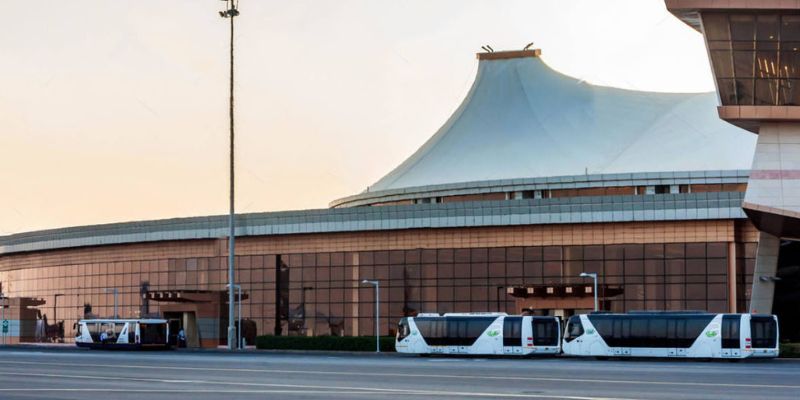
x: 592, y: 275
x: 303, y: 302
x: 55, y: 317
x: 113, y: 290
x: 3, y: 318
x: 231, y: 11
x: 377, y: 313
x: 239, y: 330
x: 55, y: 306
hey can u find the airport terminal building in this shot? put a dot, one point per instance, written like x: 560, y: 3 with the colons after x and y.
x: 535, y: 178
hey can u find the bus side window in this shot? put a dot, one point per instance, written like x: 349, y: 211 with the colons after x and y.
x: 94, y: 331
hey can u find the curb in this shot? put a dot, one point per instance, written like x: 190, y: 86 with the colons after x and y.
x: 69, y: 348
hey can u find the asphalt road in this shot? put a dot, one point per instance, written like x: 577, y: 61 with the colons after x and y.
x: 61, y: 374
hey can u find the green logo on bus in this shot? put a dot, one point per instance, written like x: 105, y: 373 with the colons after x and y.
x: 590, y: 331
x: 711, y: 334
x: 492, y: 333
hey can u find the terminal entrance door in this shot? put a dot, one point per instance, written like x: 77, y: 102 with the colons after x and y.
x: 187, y: 321
x: 787, y: 290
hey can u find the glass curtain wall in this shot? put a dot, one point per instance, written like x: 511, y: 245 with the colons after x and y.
x: 755, y: 57
x: 321, y: 293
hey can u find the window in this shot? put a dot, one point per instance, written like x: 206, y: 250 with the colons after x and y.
x: 403, y: 330
x: 574, y: 328
x: 94, y: 331
x: 111, y: 332
x: 428, y: 200
x: 452, y: 331
x: 512, y: 331
x: 752, y: 55
x: 662, y: 189
x: 764, y: 332
x: 153, y: 333
x: 730, y: 331
x: 545, y: 332
x: 654, y: 331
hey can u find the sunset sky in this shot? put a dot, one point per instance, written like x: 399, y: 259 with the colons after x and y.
x: 116, y: 111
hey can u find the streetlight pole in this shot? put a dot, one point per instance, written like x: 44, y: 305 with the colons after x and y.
x: 497, y: 298
x: 55, y: 306
x: 231, y: 11
x: 305, y: 314
x: 55, y: 316
x: 592, y: 275
x: 377, y: 313
x: 114, y: 290
x: 3, y: 320
x: 239, y: 330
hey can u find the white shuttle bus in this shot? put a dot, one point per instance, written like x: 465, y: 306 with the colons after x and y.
x: 122, y: 333
x: 478, y: 334
x: 677, y: 334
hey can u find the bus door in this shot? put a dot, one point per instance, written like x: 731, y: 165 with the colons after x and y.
x: 731, y: 336
x: 512, y: 335
x: 175, y: 326
x: 545, y: 332
x: 676, y: 336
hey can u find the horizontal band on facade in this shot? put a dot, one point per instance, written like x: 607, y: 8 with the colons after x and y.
x: 592, y: 209
x: 775, y: 174
x: 545, y: 183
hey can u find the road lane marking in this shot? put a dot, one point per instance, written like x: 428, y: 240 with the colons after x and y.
x: 274, y: 358
x: 263, y: 391
x: 362, y: 390
x: 438, y: 376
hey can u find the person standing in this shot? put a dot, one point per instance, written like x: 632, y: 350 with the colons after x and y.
x: 181, y: 338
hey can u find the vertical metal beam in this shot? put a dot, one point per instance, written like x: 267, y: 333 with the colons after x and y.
x: 732, y: 303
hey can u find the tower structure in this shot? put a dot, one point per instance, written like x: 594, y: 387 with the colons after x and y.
x: 754, y: 49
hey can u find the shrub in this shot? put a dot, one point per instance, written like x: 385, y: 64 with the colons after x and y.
x: 329, y: 343
x: 790, y: 350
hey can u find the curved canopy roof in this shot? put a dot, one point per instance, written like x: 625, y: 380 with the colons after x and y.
x: 522, y: 119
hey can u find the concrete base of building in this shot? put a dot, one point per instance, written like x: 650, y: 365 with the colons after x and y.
x: 763, y: 291
x: 772, y: 199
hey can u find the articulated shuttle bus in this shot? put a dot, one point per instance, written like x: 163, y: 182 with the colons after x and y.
x: 122, y: 333
x: 478, y: 334
x: 680, y: 334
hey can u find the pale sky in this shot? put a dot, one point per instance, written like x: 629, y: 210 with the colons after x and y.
x: 116, y: 111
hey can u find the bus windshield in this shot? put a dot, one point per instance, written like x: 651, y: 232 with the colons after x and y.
x: 574, y: 328
x: 403, y: 330
x: 764, y: 332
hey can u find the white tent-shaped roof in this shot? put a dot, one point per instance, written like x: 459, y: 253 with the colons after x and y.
x: 522, y: 119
